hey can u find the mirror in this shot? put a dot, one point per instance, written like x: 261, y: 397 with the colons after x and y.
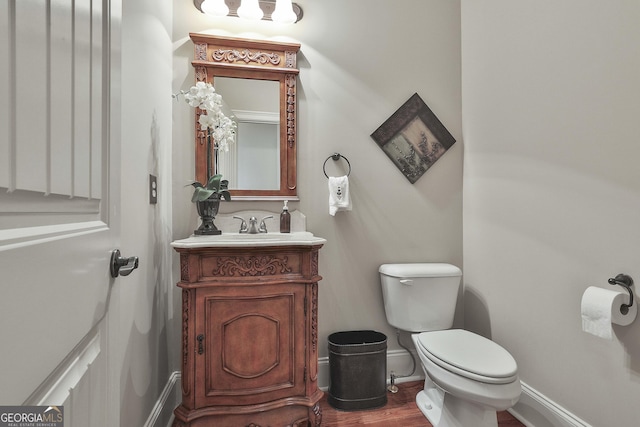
x: 253, y: 162
x: 257, y: 81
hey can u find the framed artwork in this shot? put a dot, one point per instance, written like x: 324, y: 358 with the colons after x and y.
x: 413, y: 138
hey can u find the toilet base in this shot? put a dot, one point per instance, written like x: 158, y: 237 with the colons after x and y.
x: 445, y: 410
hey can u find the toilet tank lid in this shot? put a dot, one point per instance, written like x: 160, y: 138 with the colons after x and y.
x: 420, y: 269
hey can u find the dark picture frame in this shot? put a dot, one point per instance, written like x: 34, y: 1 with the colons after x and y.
x: 413, y: 138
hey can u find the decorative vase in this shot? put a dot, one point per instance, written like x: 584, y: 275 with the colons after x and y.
x: 208, y: 209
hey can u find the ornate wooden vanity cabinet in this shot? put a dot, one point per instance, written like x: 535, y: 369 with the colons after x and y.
x: 249, y: 333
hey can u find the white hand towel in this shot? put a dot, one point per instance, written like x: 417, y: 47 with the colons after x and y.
x: 339, y: 199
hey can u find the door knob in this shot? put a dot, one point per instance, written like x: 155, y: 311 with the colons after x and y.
x: 122, y: 266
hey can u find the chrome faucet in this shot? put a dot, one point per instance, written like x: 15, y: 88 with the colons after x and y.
x: 253, y: 225
x: 263, y: 225
x: 243, y: 225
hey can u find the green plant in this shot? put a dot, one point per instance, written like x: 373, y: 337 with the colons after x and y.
x: 215, y: 185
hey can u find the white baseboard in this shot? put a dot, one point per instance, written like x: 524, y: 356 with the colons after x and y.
x: 162, y: 412
x: 534, y: 409
x: 398, y: 362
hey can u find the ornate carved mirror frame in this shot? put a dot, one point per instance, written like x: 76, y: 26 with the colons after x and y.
x: 216, y: 56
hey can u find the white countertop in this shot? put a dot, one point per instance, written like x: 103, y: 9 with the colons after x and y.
x: 301, y: 238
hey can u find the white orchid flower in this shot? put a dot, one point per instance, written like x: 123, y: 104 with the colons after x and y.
x: 220, y: 127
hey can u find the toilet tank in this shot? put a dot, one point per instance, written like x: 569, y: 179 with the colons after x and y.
x: 420, y: 297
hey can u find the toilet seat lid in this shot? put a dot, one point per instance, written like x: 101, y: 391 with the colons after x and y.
x: 469, y: 355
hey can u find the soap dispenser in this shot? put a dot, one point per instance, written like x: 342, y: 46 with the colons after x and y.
x: 285, y: 219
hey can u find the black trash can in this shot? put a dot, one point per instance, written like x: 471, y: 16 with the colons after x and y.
x: 357, y: 370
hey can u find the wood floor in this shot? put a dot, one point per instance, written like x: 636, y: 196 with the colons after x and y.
x: 400, y: 411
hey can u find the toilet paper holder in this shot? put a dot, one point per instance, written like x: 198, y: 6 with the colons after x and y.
x: 626, y: 282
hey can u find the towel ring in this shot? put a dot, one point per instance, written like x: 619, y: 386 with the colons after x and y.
x: 335, y: 157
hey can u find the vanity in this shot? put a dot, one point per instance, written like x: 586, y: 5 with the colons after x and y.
x: 250, y: 301
x: 249, y: 330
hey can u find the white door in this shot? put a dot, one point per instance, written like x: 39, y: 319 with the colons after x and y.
x: 59, y: 206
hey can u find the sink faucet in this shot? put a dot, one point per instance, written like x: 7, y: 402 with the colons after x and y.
x: 243, y: 225
x: 263, y: 226
x: 253, y: 225
x: 253, y: 228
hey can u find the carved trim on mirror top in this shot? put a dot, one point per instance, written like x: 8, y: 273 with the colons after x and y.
x: 217, y: 56
x: 234, y: 55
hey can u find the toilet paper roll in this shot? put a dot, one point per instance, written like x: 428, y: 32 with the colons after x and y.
x: 601, y: 307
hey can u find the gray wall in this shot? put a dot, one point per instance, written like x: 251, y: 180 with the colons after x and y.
x: 359, y: 61
x: 145, y: 297
x: 551, y: 195
x: 550, y: 176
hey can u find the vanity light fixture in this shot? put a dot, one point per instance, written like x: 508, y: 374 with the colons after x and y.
x: 280, y: 11
x: 214, y: 7
x: 250, y: 9
x: 284, y: 13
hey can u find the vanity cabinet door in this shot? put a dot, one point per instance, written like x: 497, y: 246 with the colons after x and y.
x: 250, y: 344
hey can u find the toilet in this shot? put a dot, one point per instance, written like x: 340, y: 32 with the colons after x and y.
x: 468, y: 377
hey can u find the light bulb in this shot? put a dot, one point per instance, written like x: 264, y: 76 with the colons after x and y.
x: 250, y: 9
x: 284, y: 13
x: 214, y: 7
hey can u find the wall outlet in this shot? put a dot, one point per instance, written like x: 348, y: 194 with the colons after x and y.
x: 153, y: 189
